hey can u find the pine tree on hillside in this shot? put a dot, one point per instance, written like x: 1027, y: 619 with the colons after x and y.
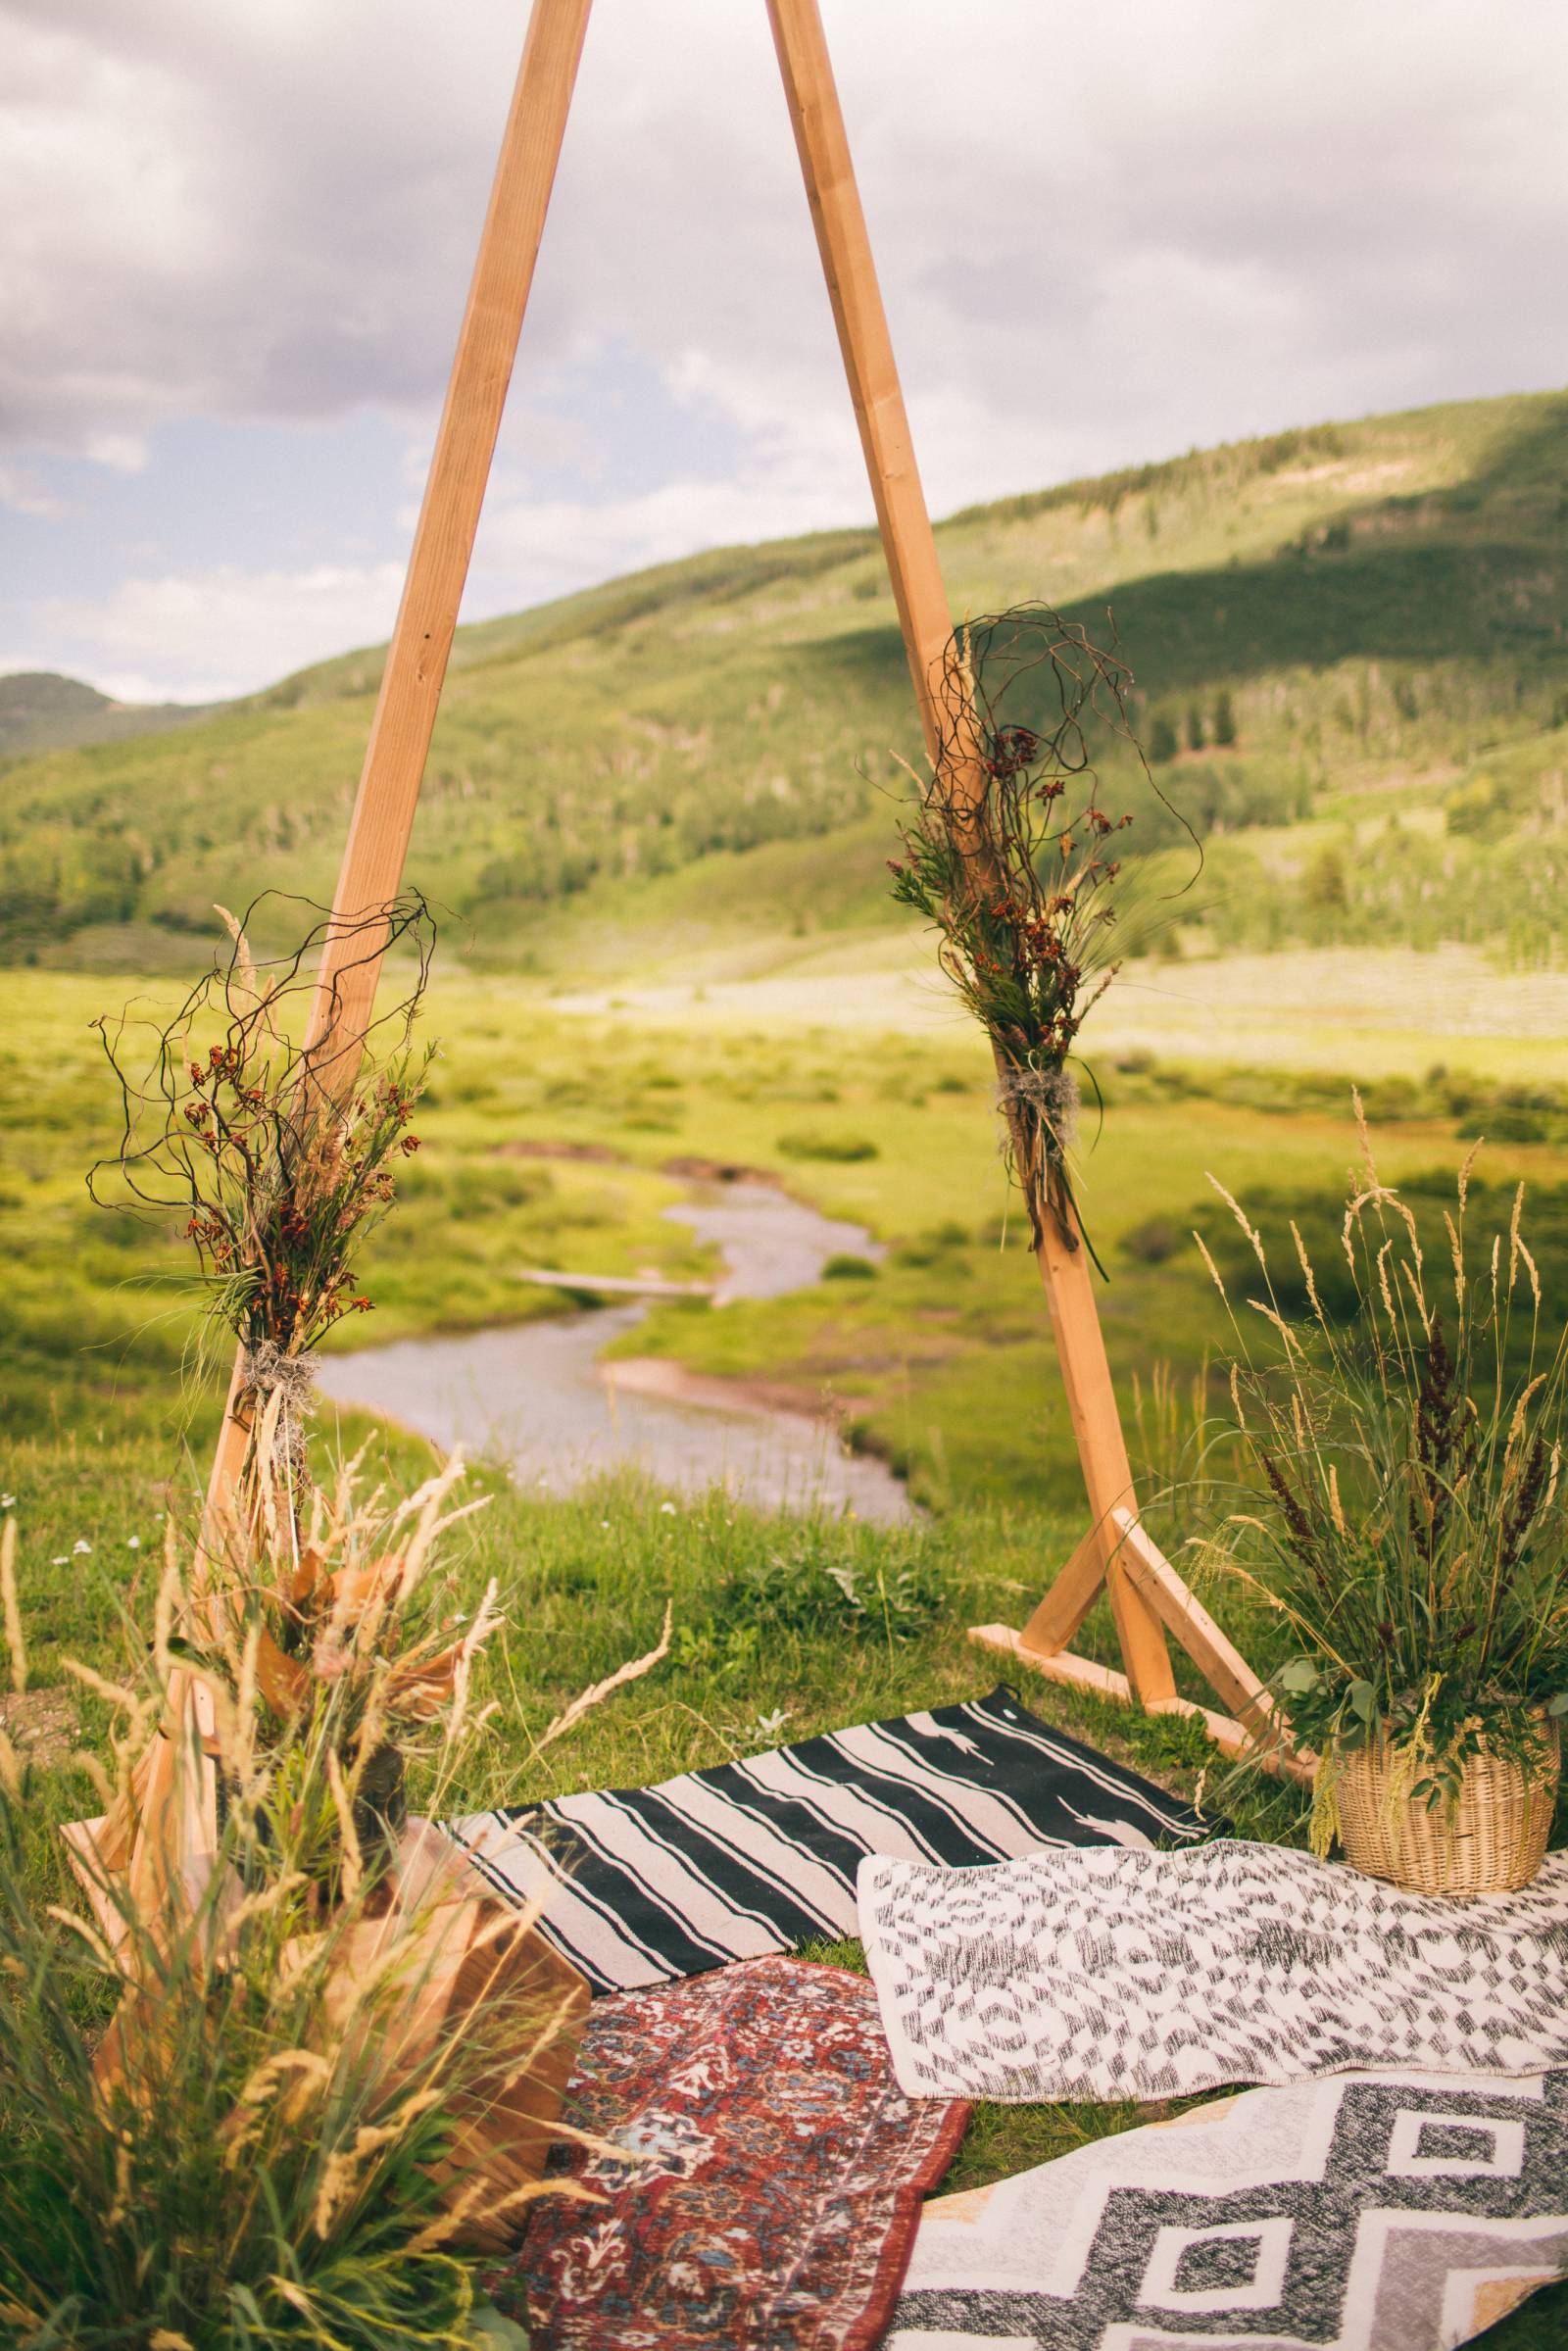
x: 1163, y: 744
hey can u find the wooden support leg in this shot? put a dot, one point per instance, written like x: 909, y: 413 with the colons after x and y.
x: 909, y: 545
x: 416, y: 659
x: 1178, y: 1608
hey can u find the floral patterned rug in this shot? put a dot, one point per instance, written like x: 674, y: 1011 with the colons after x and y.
x: 767, y: 2181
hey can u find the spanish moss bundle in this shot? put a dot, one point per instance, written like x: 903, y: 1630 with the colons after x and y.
x: 1009, y: 857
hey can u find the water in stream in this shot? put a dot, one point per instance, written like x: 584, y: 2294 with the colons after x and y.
x: 534, y: 1394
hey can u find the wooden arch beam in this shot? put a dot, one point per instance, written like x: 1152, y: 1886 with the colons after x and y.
x: 176, y: 1803
x: 1146, y: 1595
x: 409, y: 696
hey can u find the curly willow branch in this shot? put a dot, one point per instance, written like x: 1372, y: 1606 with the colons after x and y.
x: 234, y: 1115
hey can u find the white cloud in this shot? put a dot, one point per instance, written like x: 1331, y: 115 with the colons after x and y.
x: 121, y: 451
x: 1161, y: 223
x: 271, y: 210
x: 22, y: 493
x: 202, y: 636
x: 551, y: 546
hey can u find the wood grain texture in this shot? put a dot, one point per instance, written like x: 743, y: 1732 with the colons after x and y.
x: 443, y: 543
x: 867, y: 348
x: 1102, y: 1452
x: 382, y: 822
x: 926, y: 620
x: 1069, y: 1596
x: 1188, y: 1621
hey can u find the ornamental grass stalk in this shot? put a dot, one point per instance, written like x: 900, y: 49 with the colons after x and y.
x: 238, y: 2104
x: 1408, y: 1523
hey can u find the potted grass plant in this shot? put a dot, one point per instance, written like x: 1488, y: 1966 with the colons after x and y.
x: 1409, y: 1528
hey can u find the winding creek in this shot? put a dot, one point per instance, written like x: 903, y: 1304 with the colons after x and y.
x: 536, y: 1394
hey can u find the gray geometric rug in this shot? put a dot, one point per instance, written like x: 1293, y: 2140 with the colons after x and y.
x: 1374, y: 2212
x: 1115, y: 1973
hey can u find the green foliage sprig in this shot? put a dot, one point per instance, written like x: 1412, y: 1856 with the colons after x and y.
x: 1409, y: 1522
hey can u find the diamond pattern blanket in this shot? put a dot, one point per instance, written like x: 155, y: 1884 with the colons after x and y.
x: 1126, y: 1974
x: 769, y: 2178
x: 1375, y: 2212
x: 642, y: 1886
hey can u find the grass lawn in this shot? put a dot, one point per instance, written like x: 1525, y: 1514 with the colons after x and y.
x: 762, y: 1635
x: 939, y: 1358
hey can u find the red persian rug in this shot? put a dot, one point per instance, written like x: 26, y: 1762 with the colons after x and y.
x: 767, y: 2179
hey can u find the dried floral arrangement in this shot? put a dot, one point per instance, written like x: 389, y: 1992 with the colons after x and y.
x: 1011, y: 857
x: 1411, y: 1522
x: 275, y: 1140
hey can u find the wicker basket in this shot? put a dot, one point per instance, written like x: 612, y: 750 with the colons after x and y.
x: 1492, y: 1839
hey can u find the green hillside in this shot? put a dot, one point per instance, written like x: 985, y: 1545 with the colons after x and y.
x: 1349, y: 650
x: 41, y: 710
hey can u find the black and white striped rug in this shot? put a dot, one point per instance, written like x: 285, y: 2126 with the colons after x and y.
x: 643, y: 1886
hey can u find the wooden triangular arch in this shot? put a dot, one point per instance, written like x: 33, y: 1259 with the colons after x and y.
x: 1147, y: 1599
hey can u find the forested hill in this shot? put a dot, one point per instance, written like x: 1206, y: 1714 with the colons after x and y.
x: 1352, y: 672
x: 41, y: 710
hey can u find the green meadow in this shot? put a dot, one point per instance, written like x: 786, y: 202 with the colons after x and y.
x: 654, y: 834
x: 560, y: 1139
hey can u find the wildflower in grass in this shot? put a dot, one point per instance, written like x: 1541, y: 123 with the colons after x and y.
x: 80, y: 1547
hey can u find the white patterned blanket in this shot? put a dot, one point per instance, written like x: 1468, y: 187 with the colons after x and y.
x: 1377, y: 2211
x: 1128, y: 1974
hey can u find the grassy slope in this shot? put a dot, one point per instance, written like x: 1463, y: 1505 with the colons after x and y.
x: 41, y: 710
x: 583, y: 1586
x: 1385, y: 601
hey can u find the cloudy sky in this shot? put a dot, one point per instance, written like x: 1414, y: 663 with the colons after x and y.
x: 235, y: 235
